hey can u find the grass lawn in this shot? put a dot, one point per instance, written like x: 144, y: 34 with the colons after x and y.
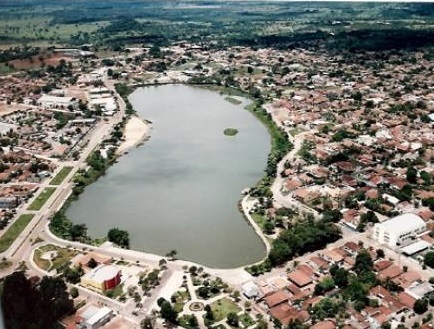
x: 63, y: 256
x: 259, y: 219
x: 246, y: 320
x: 4, y: 264
x: 294, y: 132
x: 13, y: 231
x: 61, y: 176
x: 222, y: 307
x: 185, y: 322
x: 42, y: 198
x: 42, y: 263
x: 4, y: 69
x: 115, y: 292
x: 181, y: 297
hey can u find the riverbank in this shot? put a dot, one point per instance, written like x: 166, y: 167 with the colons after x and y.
x: 136, y: 132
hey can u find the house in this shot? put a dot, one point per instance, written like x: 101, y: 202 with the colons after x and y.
x: 333, y: 256
x: 390, y: 272
x: 406, y: 299
x: 279, y: 297
x: 286, y: 313
x: 299, y: 278
x: 327, y: 324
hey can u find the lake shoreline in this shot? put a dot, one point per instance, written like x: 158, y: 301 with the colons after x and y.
x: 136, y: 132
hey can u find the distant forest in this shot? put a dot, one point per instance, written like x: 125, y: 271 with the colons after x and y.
x: 116, y: 23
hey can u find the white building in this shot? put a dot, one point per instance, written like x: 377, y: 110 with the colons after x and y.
x: 94, y: 317
x: 59, y: 102
x: 400, y: 230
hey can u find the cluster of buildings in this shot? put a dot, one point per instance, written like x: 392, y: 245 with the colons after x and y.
x: 290, y: 296
x: 365, y: 138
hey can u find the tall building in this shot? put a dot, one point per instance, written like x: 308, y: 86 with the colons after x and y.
x: 400, y: 230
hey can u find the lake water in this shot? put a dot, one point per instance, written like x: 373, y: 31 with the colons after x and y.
x: 180, y: 190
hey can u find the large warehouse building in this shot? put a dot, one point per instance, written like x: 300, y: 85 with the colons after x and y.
x: 400, y: 230
x: 102, y: 278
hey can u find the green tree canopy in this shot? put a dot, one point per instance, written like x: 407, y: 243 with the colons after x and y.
x: 119, y: 237
x: 429, y: 259
x: 26, y: 305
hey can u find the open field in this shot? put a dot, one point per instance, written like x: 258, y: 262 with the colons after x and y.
x: 42, y: 198
x: 13, y: 231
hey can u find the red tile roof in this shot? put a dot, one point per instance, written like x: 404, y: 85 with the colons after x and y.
x: 277, y: 298
x: 300, y: 278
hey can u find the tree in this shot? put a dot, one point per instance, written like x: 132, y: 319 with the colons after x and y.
x: 148, y: 322
x: 168, y: 312
x: 74, y: 274
x: 78, y: 232
x: 428, y: 259
x: 431, y: 299
x: 386, y: 325
x: 26, y: 305
x: 92, y: 263
x: 324, y: 285
x: 232, y: 319
x: 119, y: 237
x: 74, y: 292
x: 411, y: 175
x: 209, y: 314
x: 332, y: 215
x: 380, y: 253
x: 364, y: 262
x: 340, y: 277
x: 420, y: 306
x: 17, y: 300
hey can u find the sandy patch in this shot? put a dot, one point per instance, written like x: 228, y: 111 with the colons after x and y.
x: 6, y: 109
x: 136, y: 131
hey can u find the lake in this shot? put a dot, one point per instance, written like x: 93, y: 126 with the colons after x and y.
x: 180, y: 190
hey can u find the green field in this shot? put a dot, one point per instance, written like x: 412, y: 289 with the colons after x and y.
x: 13, y: 231
x: 42, y: 198
x: 58, y: 179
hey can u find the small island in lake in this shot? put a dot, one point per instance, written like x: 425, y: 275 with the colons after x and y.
x: 230, y: 131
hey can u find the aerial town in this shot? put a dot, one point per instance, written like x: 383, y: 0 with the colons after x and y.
x: 357, y: 165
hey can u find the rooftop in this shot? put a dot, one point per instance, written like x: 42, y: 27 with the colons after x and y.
x: 402, y: 223
x: 102, y: 273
